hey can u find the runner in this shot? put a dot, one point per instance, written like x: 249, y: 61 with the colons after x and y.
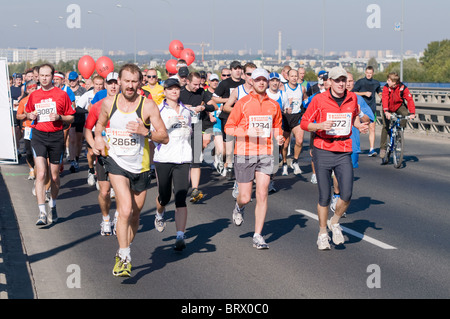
x: 221, y: 95
x: 127, y: 164
x: 104, y: 195
x: 296, y: 93
x: 31, y: 86
x: 173, y: 160
x: 84, y: 102
x: 274, y: 92
x: 193, y: 97
x: 254, y: 121
x: 50, y: 108
x: 240, y: 92
x: 76, y: 129
x: 331, y: 115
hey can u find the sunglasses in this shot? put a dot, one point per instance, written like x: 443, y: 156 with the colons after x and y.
x: 248, y: 74
x: 226, y: 75
x: 152, y: 76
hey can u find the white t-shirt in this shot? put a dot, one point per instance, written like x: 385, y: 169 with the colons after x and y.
x: 178, y: 126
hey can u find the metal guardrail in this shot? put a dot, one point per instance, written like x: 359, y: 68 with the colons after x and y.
x: 432, y: 109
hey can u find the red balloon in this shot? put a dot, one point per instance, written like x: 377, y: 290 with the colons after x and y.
x: 104, y: 66
x: 171, y: 66
x: 187, y: 55
x: 175, y: 48
x: 86, y: 66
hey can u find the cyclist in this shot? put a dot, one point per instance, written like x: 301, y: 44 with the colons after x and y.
x: 393, y: 97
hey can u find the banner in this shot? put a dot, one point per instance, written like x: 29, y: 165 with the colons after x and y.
x: 8, y: 151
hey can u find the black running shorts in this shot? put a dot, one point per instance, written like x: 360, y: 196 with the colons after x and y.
x: 48, y: 145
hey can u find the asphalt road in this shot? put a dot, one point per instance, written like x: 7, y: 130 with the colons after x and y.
x: 397, y: 239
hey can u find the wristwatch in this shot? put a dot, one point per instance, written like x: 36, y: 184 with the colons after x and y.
x: 149, y: 134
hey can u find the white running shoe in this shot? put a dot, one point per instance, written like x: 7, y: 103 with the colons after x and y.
x: 323, y: 242
x: 334, y: 200
x: 235, y: 191
x: 336, y: 229
x: 105, y: 228
x: 313, y: 179
x: 259, y: 242
x: 91, y: 179
x: 285, y: 170
x: 238, y: 215
x: 160, y: 224
x: 296, y: 168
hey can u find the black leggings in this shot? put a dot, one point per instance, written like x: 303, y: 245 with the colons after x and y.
x: 324, y: 163
x: 166, y: 173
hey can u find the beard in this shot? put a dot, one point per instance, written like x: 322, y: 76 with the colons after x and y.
x: 130, y: 94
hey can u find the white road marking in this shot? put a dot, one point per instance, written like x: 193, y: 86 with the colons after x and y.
x: 351, y: 232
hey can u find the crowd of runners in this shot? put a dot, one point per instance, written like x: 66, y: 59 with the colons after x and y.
x: 137, y: 127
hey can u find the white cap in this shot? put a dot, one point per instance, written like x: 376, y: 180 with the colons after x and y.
x: 214, y: 77
x: 260, y: 72
x: 336, y: 72
x: 112, y: 76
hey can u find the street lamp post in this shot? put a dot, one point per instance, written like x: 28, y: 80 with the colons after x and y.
x: 135, y: 31
x: 103, y: 27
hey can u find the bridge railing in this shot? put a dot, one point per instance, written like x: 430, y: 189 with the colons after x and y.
x: 432, y: 109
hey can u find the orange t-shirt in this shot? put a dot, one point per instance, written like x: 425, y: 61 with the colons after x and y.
x: 21, y: 110
x: 252, y: 111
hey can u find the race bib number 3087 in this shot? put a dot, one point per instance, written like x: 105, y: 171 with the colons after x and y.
x: 341, y: 123
x: 44, y: 110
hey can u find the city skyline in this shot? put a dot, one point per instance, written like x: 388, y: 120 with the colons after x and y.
x: 253, y: 25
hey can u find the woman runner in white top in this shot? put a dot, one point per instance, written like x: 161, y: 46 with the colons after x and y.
x: 172, y: 161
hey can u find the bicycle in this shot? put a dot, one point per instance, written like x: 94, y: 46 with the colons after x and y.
x: 396, y: 141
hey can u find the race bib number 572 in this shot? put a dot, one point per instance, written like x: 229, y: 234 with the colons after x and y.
x: 342, y: 123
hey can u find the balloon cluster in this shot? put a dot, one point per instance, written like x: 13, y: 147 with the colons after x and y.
x: 87, y: 66
x: 176, y: 48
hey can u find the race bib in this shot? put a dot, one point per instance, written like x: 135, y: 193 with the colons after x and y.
x: 262, y: 121
x: 342, y: 123
x: 123, y: 142
x: 44, y: 110
x: 27, y: 133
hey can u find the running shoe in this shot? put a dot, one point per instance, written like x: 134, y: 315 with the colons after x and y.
x: 74, y: 167
x: 285, y: 170
x: 323, y: 242
x: 91, y: 179
x: 180, y: 244
x: 105, y: 228
x: 238, y: 215
x: 372, y: 153
x: 259, y: 242
x: 31, y: 176
x: 33, y: 190
x: 42, y: 219
x: 272, y: 188
x: 122, y: 268
x: 160, y: 224
x: 297, y: 169
x: 313, y: 179
x: 334, y: 200
x: 115, y: 224
x: 53, y: 216
x: 336, y: 229
x: 196, y: 195
x: 112, y: 193
x: 235, y: 191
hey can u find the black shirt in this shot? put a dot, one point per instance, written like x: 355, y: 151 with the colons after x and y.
x: 224, y: 91
x: 366, y: 85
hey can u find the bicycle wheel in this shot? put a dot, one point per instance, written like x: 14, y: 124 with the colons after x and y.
x: 398, y: 149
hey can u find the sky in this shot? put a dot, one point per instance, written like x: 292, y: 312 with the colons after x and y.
x: 231, y: 24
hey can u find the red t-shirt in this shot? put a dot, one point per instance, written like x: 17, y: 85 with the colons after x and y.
x: 45, y: 101
x: 322, y: 108
x: 93, y: 115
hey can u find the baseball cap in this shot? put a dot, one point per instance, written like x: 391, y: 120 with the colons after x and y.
x: 260, y: 73
x: 112, y: 76
x: 274, y: 75
x: 73, y: 75
x: 337, y: 72
x: 235, y: 65
x: 214, y: 77
x: 171, y: 82
x: 183, y: 71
